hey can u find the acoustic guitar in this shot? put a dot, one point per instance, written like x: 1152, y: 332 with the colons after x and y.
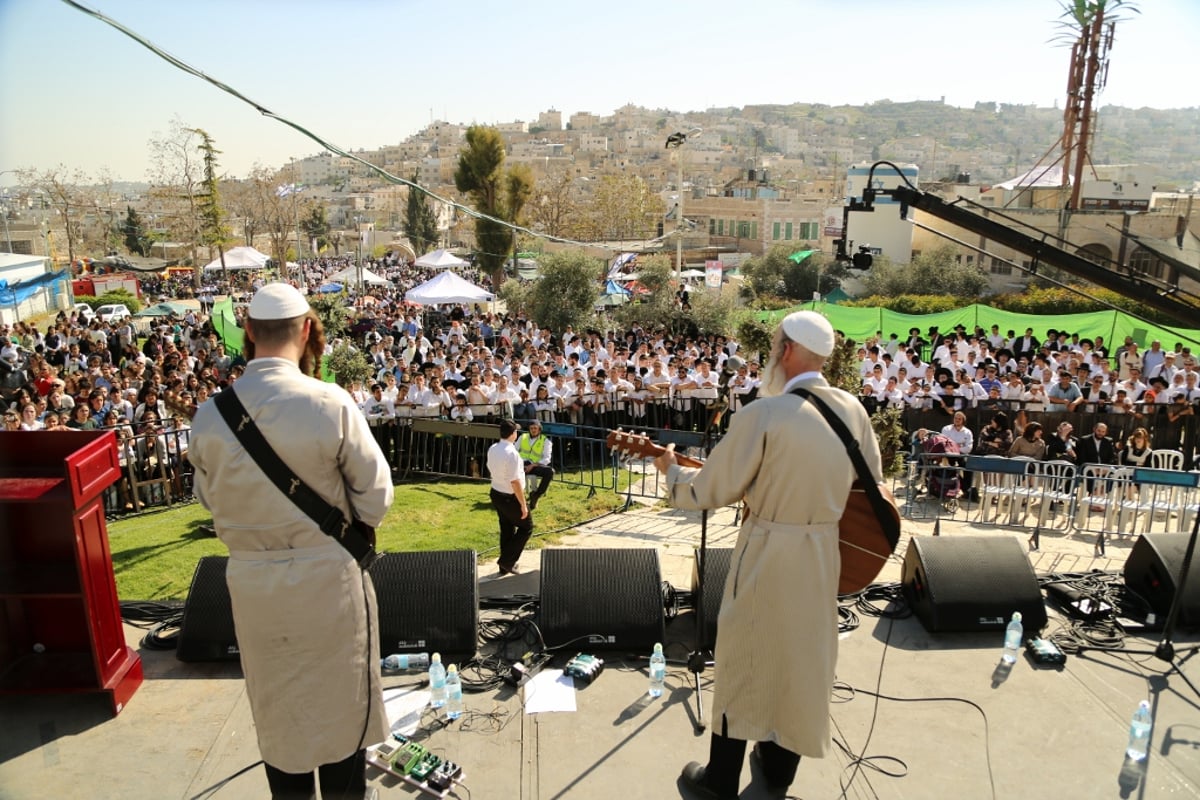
x: 863, y: 539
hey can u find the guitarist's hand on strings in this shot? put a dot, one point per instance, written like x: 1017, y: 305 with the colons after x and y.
x: 665, y: 459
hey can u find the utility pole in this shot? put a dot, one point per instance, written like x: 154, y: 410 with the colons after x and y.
x: 676, y: 141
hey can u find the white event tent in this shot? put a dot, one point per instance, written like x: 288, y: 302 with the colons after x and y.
x: 349, y: 275
x: 447, y: 288
x: 441, y: 259
x: 240, y: 258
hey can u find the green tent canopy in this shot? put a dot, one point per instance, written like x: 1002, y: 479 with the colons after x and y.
x: 862, y: 323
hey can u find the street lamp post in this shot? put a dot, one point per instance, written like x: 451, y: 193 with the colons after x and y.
x: 676, y: 141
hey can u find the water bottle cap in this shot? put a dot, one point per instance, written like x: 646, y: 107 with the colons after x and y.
x: 1016, y: 616
x: 1144, y: 704
x: 437, y: 658
x: 658, y: 647
x: 452, y: 668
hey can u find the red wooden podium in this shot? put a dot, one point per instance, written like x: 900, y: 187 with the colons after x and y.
x: 60, y: 624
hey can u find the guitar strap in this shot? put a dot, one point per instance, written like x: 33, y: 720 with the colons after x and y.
x: 891, y: 529
x: 350, y: 534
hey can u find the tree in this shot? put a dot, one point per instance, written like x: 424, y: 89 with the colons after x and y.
x: 177, y: 178
x: 621, y: 207
x: 935, y: 271
x: 500, y: 195
x: 264, y: 209
x: 565, y: 291
x: 420, y: 221
x: 553, y: 209
x: 62, y: 189
x: 316, y: 226
x: 777, y: 275
x: 137, y: 237
x: 213, y: 231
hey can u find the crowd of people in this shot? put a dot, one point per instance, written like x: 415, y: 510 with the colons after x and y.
x: 476, y: 365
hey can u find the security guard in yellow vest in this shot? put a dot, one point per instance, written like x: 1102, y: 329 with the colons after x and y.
x: 535, y: 449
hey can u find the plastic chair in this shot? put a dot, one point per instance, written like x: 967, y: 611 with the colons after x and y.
x: 1057, y: 479
x: 1166, y: 459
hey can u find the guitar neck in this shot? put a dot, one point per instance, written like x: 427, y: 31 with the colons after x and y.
x: 637, y: 445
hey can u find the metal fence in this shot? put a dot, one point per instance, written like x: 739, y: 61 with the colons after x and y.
x: 1096, y: 499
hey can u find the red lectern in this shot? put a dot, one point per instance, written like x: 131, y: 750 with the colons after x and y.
x: 60, y: 629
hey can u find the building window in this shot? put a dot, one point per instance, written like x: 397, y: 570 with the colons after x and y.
x: 720, y: 227
x: 743, y: 230
x: 712, y: 226
x: 787, y: 232
x: 1144, y: 261
x: 970, y: 260
x: 810, y: 231
x: 1000, y: 267
x: 775, y: 231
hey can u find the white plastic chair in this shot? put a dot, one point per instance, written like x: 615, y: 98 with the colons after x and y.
x: 1057, y: 479
x: 1166, y: 459
x: 1107, y: 493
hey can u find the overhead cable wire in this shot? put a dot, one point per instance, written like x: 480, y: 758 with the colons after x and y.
x: 260, y: 108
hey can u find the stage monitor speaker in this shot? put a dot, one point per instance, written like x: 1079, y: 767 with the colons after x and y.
x: 1152, y: 570
x: 601, y: 599
x: 206, y: 633
x: 428, y: 602
x: 716, y: 570
x: 971, y: 583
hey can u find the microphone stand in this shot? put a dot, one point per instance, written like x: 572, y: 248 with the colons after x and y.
x: 700, y: 657
x: 1166, y: 650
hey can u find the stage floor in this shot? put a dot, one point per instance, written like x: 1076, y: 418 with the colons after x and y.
x: 956, y: 726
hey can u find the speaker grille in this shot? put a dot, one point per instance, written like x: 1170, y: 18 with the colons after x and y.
x: 971, y: 583
x: 716, y: 570
x: 1152, y: 570
x: 206, y: 633
x: 601, y: 599
x: 428, y: 602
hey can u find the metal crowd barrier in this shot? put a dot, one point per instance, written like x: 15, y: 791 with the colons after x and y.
x: 155, y: 472
x: 1050, y: 495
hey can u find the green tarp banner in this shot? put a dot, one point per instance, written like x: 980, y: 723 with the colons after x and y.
x: 225, y: 324
x: 862, y: 323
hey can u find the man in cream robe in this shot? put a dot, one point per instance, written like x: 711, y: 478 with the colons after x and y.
x: 777, y: 628
x: 305, y: 614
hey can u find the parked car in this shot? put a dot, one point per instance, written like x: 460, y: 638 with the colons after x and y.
x: 84, y: 311
x: 114, y: 312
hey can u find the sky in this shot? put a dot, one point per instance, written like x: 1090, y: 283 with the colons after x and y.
x: 366, y: 73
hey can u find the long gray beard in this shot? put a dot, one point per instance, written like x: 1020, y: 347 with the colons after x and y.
x: 773, y: 381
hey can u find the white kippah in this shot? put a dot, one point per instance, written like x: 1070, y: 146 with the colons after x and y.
x: 278, y: 301
x: 810, y: 330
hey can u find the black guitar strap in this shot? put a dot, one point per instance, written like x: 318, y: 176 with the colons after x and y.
x: 891, y: 529
x: 329, y: 518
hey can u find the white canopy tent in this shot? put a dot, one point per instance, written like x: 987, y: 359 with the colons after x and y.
x: 349, y: 275
x: 441, y: 259
x: 447, y: 288
x: 240, y: 258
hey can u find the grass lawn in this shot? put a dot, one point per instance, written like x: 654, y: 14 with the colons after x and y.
x: 154, y: 555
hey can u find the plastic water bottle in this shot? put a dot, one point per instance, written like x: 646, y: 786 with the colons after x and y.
x: 1139, y: 732
x: 454, y: 704
x: 658, y: 671
x: 402, y: 661
x: 437, y: 682
x: 1012, y: 638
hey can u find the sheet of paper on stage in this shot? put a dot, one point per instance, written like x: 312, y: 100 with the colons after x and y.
x: 404, y: 708
x: 550, y: 690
